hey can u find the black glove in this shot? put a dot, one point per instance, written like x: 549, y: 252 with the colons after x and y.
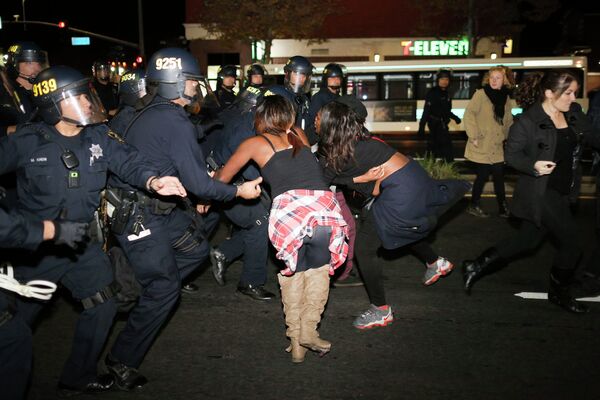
x: 70, y: 233
x: 457, y: 120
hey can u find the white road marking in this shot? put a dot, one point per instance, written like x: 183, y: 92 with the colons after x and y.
x: 544, y: 296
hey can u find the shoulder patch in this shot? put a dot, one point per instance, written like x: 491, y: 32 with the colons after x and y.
x: 114, y: 135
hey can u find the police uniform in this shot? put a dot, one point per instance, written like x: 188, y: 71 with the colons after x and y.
x: 251, y: 216
x: 300, y: 101
x: 225, y: 97
x: 16, y: 231
x: 48, y: 189
x: 170, y: 245
x: 437, y: 114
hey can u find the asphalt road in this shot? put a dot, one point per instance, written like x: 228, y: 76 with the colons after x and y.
x: 442, y: 344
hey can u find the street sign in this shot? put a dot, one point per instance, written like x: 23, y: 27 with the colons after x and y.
x: 80, y: 41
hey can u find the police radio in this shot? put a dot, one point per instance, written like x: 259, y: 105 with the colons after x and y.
x: 70, y: 160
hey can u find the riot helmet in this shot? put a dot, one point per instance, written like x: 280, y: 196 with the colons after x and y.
x: 63, y: 93
x: 170, y: 68
x: 25, y: 52
x: 226, y: 76
x: 132, y: 86
x: 255, y: 75
x: 333, y: 70
x: 248, y: 99
x: 298, y: 71
x: 101, y: 71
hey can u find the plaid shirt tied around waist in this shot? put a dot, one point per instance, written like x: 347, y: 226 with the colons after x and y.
x: 295, y: 213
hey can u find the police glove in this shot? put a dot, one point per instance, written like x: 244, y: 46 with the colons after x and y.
x: 457, y: 120
x: 70, y: 233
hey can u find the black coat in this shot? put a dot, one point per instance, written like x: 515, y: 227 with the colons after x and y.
x: 533, y: 138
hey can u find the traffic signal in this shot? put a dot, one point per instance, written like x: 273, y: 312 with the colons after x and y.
x: 62, y: 24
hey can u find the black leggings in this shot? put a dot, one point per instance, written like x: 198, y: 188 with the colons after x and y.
x: 483, y: 172
x: 367, y: 243
x: 314, y: 252
x: 557, y: 221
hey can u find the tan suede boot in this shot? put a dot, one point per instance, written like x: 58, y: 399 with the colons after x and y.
x: 316, y: 293
x: 292, y: 294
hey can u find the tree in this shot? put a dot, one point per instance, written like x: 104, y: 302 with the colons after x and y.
x: 249, y: 21
x: 478, y: 18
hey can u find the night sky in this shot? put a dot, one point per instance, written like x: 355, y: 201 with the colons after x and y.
x: 163, y: 21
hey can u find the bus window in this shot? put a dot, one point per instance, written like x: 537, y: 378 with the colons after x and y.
x: 363, y: 87
x: 464, y: 84
x: 398, y: 86
x: 425, y: 81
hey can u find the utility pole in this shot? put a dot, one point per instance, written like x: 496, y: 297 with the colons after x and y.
x: 141, y: 29
x: 24, y: 18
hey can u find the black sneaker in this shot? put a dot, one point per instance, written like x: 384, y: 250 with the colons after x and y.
x: 256, y: 292
x: 126, y: 378
x: 102, y: 383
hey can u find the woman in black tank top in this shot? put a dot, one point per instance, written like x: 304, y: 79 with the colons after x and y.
x: 305, y: 224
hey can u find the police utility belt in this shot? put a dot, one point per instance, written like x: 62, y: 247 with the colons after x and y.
x: 122, y: 204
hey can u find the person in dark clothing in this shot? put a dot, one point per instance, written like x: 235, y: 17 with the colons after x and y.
x: 132, y: 87
x: 250, y: 238
x: 226, y: 77
x: 255, y: 76
x: 298, y: 72
x: 331, y: 88
x: 544, y: 145
x: 62, y: 165
x: 162, y: 239
x: 405, y: 208
x: 107, y: 91
x: 437, y: 113
x: 24, y: 61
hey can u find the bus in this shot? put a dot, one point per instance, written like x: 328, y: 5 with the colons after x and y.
x: 394, y: 91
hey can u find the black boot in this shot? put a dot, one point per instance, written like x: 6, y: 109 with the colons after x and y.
x: 559, y: 292
x: 475, y: 269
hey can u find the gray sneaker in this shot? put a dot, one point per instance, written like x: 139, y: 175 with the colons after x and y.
x: 477, y: 211
x: 374, y: 316
x: 436, y: 270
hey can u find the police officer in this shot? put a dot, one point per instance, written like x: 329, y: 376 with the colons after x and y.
x: 62, y: 165
x: 255, y: 75
x: 331, y: 88
x: 107, y: 91
x: 15, y: 335
x: 250, y: 238
x: 437, y: 114
x: 298, y: 71
x: 132, y: 87
x: 163, y: 241
x: 24, y: 61
x: 226, y: 77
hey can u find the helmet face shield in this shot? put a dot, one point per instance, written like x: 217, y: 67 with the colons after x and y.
x: 298, y: 82
x: 80, y: 105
